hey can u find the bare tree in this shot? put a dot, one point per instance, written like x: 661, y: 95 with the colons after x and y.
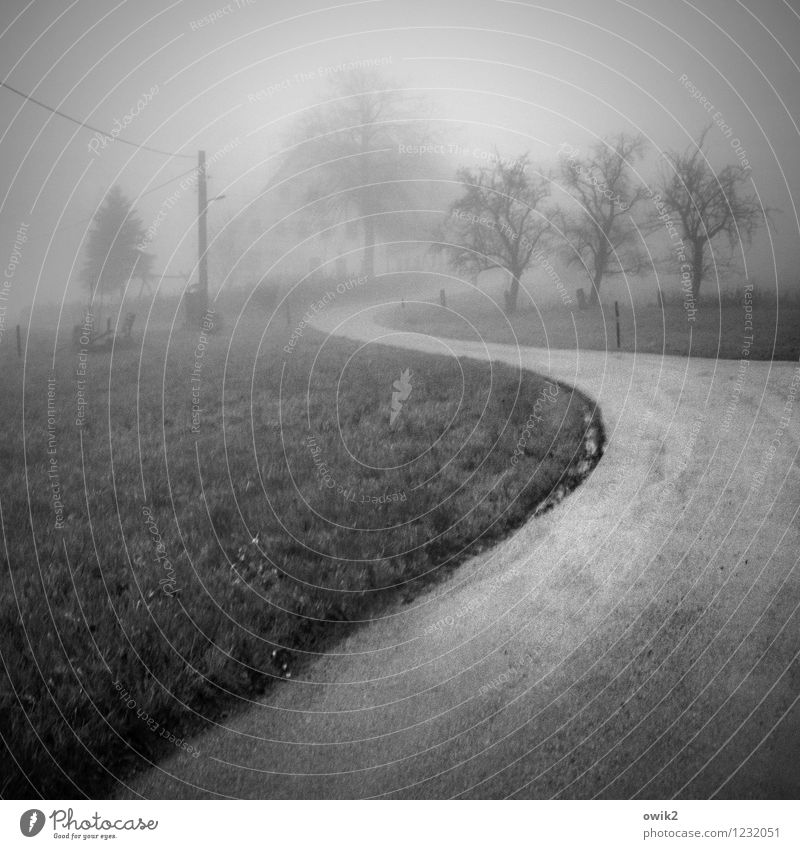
x: 708, y: 205
x: 601, y: 233
x: 362, y: 148
x: 499, y: 221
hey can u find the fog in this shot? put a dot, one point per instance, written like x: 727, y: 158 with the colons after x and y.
x: 400, y: 405
x: 158, y: 84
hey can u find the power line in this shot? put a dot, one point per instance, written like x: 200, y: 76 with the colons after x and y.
x: 88, y: 220
x: 171, y: 180
x: 90, y: 127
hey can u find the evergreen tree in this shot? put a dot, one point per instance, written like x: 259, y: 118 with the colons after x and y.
x: 112, y: 253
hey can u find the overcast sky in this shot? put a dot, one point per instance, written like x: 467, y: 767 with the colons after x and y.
x: 518, y: 75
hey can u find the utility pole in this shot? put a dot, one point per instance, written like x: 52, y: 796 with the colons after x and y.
x: 202, y: 229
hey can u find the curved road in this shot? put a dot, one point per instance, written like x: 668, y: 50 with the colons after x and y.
x: 641, y: 639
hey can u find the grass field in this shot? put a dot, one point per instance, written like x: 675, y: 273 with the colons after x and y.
x: 163, y: 564
x: 719, y: 330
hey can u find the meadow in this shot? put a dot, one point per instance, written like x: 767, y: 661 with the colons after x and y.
x: 189, y: 521
x: 718, y: 329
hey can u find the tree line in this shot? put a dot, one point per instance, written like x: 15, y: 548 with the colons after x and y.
x: 506, y: 213
x: 343, y: 161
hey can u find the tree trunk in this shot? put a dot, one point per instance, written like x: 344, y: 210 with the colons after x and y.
x: 594, y: 298
x: 597, y: 280
x: 698, y: 253
x: 512, y: 295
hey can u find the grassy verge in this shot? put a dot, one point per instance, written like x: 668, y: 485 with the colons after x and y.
x: 162, y: 565
x: 719, y: 330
